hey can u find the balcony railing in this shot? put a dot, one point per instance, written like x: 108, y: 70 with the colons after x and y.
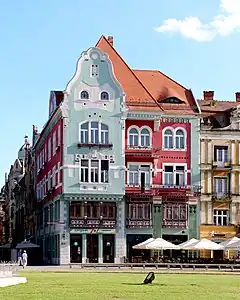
x: 138, y: 223
x: 221, y: 164
x: 174, y: 223
x: 142, y: 151
x: 221, y: 197
x: 92, y: 222
x: 98, y: 145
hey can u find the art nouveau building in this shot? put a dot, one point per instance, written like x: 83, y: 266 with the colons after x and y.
x: 220, y: 167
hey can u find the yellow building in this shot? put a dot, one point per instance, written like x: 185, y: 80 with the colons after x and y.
x: 220, y: 167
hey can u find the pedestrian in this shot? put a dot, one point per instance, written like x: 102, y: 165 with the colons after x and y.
x: 24, y: 259
x: 19, y: 257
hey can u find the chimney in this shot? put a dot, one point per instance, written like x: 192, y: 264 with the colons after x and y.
x: 238, y: 97
x: 208, y: 95
x: 110, y: 40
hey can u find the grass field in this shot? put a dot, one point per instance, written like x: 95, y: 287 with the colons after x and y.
x: 106, y: 286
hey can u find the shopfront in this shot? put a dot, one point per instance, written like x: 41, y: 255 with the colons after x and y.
x: 92, y: 245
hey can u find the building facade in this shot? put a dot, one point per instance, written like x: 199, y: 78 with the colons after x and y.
x: 161, y: 156
x: 94, y: 155
x: 220, y: 167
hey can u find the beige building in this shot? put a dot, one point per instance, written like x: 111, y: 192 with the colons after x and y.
x: 220, y: 167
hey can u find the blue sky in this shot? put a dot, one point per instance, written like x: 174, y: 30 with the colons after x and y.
x: 42, y: 40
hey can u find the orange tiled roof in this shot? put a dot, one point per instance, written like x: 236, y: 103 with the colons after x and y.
x: 219, y: 107
x: 146, y: 88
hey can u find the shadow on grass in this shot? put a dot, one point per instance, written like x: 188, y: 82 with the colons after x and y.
x: 159, y: 284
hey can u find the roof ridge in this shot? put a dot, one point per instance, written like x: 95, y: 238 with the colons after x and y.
x: 131, y: 70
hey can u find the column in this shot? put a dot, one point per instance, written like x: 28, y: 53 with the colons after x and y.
x: 209, y: 152
x: 210, y: 185
x: 233, y: 153
x: 120, y: 236
x: 232, y: 183
x: 202, y: 153
x: 209, y: 212
x: 84, y: 248
x: 100, y: 248
x: 203, y: 213
x: 233, y: 212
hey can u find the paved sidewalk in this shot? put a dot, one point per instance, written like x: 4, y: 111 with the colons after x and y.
x: 67, y: 269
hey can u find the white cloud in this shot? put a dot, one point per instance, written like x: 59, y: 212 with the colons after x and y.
x: 223, y: 24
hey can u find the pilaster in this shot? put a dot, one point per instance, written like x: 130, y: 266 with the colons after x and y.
x: 84, y: 248
x: 120, y: 237
x: 100, y: 248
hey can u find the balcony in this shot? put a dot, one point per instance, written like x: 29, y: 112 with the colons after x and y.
x: 138, y: 190
x: 95, y: 145
x: 222, y: 165
x: 142, y: 152
x: 92, y: 223
x: 138, y: 223
x: 221, y: 197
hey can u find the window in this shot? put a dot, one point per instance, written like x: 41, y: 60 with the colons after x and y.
x: 93, y: 210
x: 104, y: 170
x: 175, y: 215
x: 49, y: 180
x: 45, y: 152
x: 94, y: 171
x: 220, y: 217
x: 179, y: 139
x: 145, y: 137
x: 84, y: 95
x: 180, y: 176
x: 59, y: 135
x: 168, y: 175
x: 172, y: 100
x: 54, y: 143
x: 220, y: 186
x: 54, y: 177
x: 139, y: 211
x: 133, y: 137
x: 104, y: 96
x: 84, y: 170
x: 221, y: 154
x: 168, y: 139
x: 133, y: 175
x: 84, y: 133
x: 139, y: 175
x: 104, y: 134
x: 49, y: 149
x: 94, y: 133
x: 94, y: 71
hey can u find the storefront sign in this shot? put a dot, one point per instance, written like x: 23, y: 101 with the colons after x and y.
x: 92, y: 231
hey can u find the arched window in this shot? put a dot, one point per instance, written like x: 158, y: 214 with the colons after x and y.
x: 145, y: 137
x: 84, y: 95
x: 104, y: 96
x: 168, y: 139
x: 179, y: 139
x: 104, y: 134
x: 133, y: 138
x: 84, y: 133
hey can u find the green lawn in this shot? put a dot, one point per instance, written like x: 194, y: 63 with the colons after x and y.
x: 106, y: 286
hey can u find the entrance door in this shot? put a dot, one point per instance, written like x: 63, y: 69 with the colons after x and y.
x: 76, y: 248
x: 92, y: 248
x: 108, y: 248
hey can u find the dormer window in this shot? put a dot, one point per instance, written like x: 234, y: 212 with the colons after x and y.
x: 172, y: 100
x: 104, y: 96
x: 94, y: 71
x: 84, y: 95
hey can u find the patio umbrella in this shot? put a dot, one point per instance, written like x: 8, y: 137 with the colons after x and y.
x: 26, y: 245
x: 235, y: 245
x: 203, y: 244
x: 188, y: 243
x: 138, y: 246
x: 230, y: 241
x: 159, y: 244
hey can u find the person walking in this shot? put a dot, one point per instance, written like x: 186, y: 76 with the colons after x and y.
x: 24, y: 258
x: 20, y: 257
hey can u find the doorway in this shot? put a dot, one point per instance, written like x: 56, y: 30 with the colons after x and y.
x: 108, y: 248
x: 76, y: 248
x: 92, y: 248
